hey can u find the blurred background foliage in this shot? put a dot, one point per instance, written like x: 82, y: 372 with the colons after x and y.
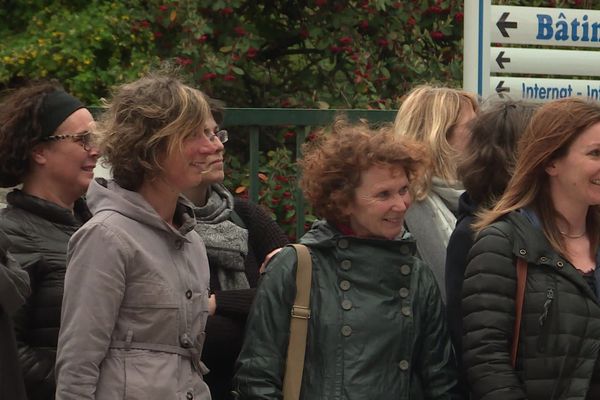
x: 271, y: 53
x: 248, y: 53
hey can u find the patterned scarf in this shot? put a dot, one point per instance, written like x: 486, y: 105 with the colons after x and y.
x: 226, y: 243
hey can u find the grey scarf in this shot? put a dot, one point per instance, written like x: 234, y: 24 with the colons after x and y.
x: 226, y: 243
x: 431, y: 222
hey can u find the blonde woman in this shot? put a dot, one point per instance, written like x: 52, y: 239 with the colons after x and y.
x: 136, y: 289
x: 437, y: 117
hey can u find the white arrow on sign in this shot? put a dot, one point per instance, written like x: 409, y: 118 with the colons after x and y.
x: 512, y: 60
x: 545, y: 26
x: 539, y: 89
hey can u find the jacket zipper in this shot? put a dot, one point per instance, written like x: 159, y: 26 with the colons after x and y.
x: 543, y: 318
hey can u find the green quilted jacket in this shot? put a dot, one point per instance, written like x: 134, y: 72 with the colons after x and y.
x: 377, y: 329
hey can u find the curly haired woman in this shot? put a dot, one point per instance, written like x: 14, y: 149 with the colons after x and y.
x: 377, y: 328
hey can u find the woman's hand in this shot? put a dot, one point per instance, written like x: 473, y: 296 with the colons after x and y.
x: 268, y: 258
x: 212, y: 304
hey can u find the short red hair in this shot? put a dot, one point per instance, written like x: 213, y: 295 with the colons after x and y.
x: 333, y: 164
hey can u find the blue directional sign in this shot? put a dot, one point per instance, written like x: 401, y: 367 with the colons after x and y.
x: 494, y: 69
x: 543, y: 89
x: 545, y: 26
x: 515, y: 60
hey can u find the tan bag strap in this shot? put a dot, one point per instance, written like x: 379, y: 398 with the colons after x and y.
x: 519, y: 299
x: 294, y: 365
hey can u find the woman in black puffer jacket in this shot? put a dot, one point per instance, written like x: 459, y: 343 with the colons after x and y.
x: 45, y: 146
x: 548, y: 216
x: 489, y: 161
x: 14, y: 289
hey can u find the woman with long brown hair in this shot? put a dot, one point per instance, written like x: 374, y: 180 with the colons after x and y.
x: 549, y: 217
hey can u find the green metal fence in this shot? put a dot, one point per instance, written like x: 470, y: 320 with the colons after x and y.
x: 257, y: 118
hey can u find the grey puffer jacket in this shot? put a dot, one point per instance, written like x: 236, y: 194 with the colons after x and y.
x: 135, y: 303
x: 559, y: 342
x: 39, y: 232
x: 377, y: 329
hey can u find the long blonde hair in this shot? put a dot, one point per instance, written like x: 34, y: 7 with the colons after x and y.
x: 548, y: 137
x: 428, y: 115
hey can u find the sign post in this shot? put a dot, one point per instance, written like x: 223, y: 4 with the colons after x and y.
x: 545, y: 26
x: 476, y: 61
x: 542, y: 27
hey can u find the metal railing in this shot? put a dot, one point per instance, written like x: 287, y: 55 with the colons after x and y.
x: 255, y: 118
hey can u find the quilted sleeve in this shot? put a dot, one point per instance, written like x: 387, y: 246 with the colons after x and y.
x: 488, y: 304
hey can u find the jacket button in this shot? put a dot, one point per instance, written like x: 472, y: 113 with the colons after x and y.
x: 189, y: 396
x: 346, y: 264
x: 344, y: 285
x: 188, y: 294
x: 560, y: 264
x: 405, y: 311
x: 404, y: 249
x: 405, y: 269
x: 343, y: 243
x: 346, y: 305
x: 346, y: 330
x: 403, y: 365
x: 404, y: 292
x: 185, y: 341
x: 543, y: 259
x: 522, y: 252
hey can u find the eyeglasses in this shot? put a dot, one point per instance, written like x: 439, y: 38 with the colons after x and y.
x: 222, y: 135
x: 84, y: 139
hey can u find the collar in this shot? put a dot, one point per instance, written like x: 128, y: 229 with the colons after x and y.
x: 344, y: 229
x: 48, y: 210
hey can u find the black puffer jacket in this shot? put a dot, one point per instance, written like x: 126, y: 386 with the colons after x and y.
x: 14, y: 289
x: 458, y: 248
x: 39, y: 232
x: 559, y: 342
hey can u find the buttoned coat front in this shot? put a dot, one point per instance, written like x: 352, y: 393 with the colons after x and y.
x: 377, y: 329
x: 136, y: 296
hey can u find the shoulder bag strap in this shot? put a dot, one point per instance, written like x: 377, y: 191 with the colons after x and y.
x: 519, y: 299
x: 294, y: 365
